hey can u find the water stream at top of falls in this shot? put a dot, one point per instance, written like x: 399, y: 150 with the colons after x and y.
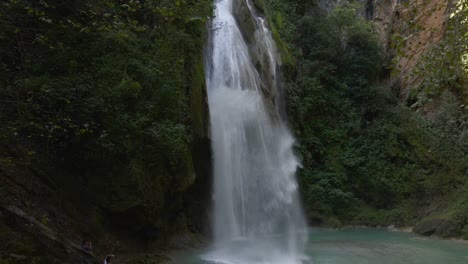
x: 257, y: 213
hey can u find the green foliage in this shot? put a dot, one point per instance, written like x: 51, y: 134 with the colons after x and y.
x: 360, y: 148
x: 280, y: 16
x: 445, y: 67
x: 340, y: 56
x: 101, y: 90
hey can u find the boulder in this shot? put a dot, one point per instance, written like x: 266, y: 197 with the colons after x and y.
x: 437, y: 227
x: 428, y: 228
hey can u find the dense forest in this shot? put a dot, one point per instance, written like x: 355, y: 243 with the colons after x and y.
x: 369, y: 157
x: 102, y: 112
x: 104, y: 122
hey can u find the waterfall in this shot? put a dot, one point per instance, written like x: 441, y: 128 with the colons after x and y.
x: 257, y: 214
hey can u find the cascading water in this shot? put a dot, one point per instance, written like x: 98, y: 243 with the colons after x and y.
x: 257, y: 214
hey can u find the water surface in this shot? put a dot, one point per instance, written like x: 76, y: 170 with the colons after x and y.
x: 366, y: 246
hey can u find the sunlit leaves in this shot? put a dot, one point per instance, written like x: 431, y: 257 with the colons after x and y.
x: 445, y: 67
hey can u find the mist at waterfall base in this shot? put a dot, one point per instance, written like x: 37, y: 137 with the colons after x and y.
x: 257, y: 215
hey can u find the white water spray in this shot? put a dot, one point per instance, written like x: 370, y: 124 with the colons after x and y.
x: 257, y: 214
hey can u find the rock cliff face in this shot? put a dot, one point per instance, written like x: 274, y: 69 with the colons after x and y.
x: 408, y: 29
x: 251, y: 17
x: 382, y: 12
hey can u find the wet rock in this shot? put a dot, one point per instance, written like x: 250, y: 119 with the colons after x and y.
x: 437, y: 227
x: 428, y: 227
x: 251, y: 19
x: 246, y: 21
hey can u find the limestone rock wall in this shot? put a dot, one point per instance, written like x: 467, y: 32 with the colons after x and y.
x: 250, y: 15
x: 407, y: 29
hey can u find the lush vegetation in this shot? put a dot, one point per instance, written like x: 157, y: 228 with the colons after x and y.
x: 448, y: 72
x: 104, y: 100
x: 367, y: 158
